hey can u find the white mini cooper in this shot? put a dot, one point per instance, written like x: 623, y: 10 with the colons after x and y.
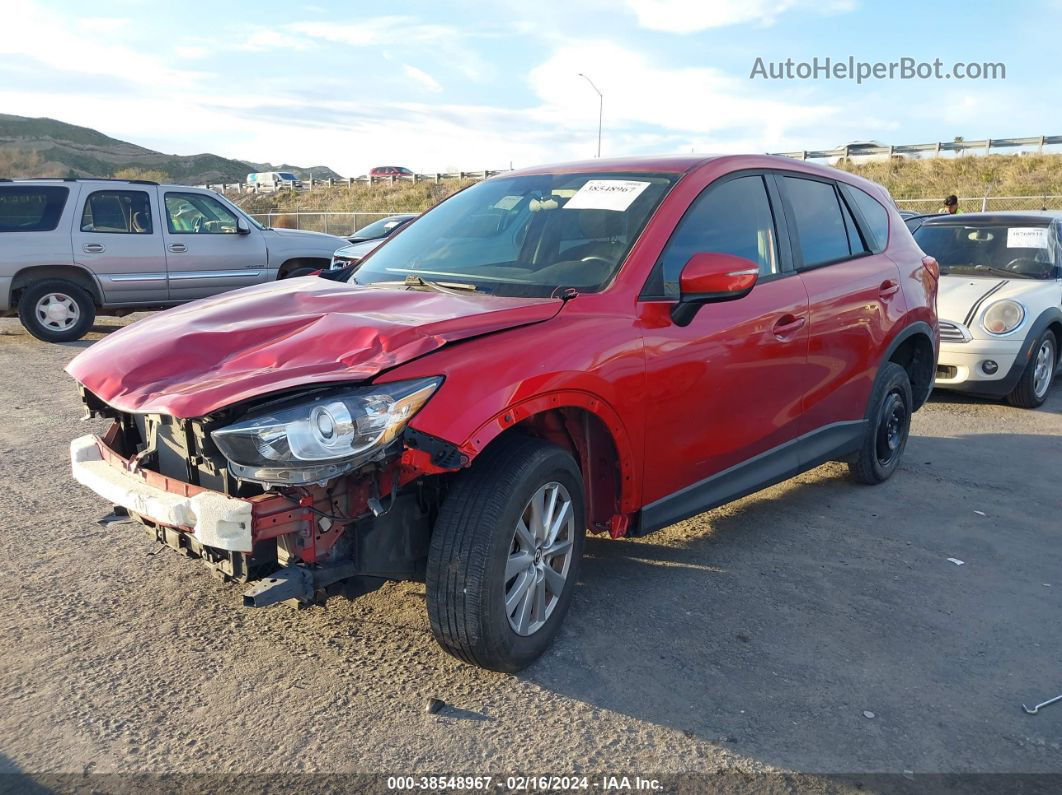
x: 1000, y: 302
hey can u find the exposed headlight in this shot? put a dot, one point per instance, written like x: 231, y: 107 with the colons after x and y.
x: 342, y: 262
x: 311, y: 441
x: 1003, y: 317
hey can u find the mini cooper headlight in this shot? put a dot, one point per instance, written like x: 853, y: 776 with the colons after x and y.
x: 1003, y: 317
x: 311, y: 441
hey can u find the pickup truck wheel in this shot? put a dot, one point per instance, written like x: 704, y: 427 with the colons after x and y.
x: 887, y: 428
x: 55, y: 310
x: 1035, y: 382
x: 505, y: 554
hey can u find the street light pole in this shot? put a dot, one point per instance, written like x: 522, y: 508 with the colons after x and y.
x: 600, y: 109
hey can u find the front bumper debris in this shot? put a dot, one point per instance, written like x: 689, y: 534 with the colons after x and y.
x: 214, y: 519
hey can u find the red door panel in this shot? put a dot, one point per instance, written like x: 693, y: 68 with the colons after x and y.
x: 854, y: 307
x: 726, y: 387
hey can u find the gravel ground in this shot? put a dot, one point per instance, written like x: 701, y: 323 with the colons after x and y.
x: 817, y: 626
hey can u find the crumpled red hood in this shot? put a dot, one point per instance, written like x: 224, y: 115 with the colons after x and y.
x: 197, y: 358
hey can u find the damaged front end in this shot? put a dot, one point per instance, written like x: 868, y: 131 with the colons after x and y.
x: 304, y: 494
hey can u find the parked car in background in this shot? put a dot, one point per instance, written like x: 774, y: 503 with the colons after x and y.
x: 367, y: 239
x: 1000, y: 302
x: 915, y: 220
x: 614, y: 345
x: 74, y: 248
x: 378, y: 230
x: 388, y: 172
x: 274, y: 179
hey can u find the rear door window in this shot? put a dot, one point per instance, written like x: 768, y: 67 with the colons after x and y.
x: 31, y: 208
x: 820, y: 224
x: 124, y: 212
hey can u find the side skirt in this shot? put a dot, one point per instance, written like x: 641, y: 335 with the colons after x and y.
x: 827, y: 443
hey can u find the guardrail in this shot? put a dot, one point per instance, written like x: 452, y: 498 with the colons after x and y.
x: 985, y: 145
x: 310, y: 184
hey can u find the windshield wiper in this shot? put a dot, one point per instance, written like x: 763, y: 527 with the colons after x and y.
x: 416, y: 280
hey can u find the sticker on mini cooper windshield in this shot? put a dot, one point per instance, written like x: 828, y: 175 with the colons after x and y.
x: 1027, y: 237
x: 606, y: 194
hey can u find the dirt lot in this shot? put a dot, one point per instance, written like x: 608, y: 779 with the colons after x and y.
x: 757, y: 636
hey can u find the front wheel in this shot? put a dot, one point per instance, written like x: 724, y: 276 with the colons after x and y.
x: 888, y: 425
x: 505, y: 554
x: 1035, y: 382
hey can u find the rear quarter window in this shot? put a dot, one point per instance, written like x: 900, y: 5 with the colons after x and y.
x: 876, y: 216
x: 31, y: 208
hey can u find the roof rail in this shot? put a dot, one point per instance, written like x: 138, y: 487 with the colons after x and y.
x: 85, y: 179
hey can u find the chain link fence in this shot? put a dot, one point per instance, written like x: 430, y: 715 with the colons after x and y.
x: 346, y: 223
x: 342, y: 224
x: 976, y: 204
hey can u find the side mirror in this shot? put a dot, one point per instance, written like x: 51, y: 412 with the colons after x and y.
x: 242, y: 227
x: 710, y: 278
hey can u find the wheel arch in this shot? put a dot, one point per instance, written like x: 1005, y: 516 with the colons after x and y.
x: 914, y: 350
x: 293, y: 263
x: 72, y: 273
x: 592, y: 432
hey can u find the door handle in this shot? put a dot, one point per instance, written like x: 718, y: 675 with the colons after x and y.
x: 93, y: 248
x: 888, y: 288
x: 178, y: 248
x: 788, y: 325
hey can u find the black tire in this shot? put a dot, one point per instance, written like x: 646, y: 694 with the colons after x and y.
x: 471, y: 544
x: 1025, y: 395
x: 39, y: 328
x: 887, y: 428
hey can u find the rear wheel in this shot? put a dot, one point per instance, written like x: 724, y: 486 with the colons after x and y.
x: 888, y: 426
x: 1035, y: 382
x: 505, y: 554
x: 55, y: 310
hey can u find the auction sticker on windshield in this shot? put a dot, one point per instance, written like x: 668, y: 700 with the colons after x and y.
x: 1027, y: 237
x: 606, y: 194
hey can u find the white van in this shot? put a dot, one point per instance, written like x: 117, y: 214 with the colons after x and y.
x: 274, y: 179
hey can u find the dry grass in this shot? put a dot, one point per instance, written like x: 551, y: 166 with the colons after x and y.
x: 994, y: 175
x: 382, y: 198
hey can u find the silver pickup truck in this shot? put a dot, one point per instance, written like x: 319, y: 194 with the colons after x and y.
x: 72, y: 248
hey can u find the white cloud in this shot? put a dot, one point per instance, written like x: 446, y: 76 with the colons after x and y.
x: 373, y: 31
x: 690, y: 16
x: 687, y: 100
x: 422, y: 78
x: 69, y: 49
x: 271, y: 39
x: 104, y: 24
x: 191, y: 52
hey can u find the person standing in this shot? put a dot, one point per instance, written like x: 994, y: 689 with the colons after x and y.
x: 951, y: 205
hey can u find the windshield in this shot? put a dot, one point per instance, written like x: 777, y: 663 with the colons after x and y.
x: 381, y: 228
x: 1022, y: 250
x: 525, y: 236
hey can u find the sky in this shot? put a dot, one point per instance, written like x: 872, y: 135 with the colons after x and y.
x: 485, y: 85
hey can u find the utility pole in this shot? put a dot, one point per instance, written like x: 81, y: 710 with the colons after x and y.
x: 600, y: 109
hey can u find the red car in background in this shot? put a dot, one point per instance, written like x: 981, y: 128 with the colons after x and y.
x: 389, y: 172
x: 612, y: 345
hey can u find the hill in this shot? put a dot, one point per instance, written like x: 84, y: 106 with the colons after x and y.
x: 46, y: 147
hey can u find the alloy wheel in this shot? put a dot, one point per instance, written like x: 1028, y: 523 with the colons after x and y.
x: 540, y: 558
x: 57, y: 311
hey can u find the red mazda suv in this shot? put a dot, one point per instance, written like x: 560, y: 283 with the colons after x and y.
x: 611, y: 346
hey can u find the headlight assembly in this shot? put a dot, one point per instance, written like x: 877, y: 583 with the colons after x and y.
x: 314, y: 440
x: 1003, y: 317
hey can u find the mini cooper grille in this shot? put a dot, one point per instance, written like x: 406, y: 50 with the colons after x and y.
x: 953, y: 332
